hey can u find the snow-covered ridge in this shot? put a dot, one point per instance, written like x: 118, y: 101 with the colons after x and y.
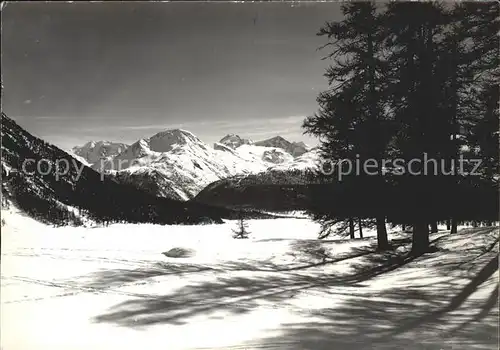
x: 93, y: 151
x: 234, y: 141
x: 167, y: 140
x: 294, y: 148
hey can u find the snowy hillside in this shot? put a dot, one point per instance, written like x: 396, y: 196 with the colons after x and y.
x: 269, y: 155
x: 177, y: 164
x: 107, y: 288
x: 307, y: 161
x: 294, y: 148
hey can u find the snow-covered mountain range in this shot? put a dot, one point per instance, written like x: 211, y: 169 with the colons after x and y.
x: 92, y: 152
x: 177, y: 164
x: 296, y: 149
x: 54, y: 187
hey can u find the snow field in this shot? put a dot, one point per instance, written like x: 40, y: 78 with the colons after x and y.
x: 100, y: 288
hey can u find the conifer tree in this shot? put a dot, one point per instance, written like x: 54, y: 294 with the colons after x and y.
x: 414, y: 42
x: 241, y: 232
x: 351, y: 121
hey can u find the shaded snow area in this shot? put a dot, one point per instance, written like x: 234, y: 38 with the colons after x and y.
x: 113, y: 288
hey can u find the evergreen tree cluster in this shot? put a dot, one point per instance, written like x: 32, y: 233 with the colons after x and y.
x: 408, y: 79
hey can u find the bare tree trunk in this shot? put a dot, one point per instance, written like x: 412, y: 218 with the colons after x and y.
x: 454, y: 225
x: 382, y: 241
x: 351, y: 228
x: 434, y: 227
x: 360, y: 228
x: 420, y: 239
x: 448, y: 224
x: 403, y: 227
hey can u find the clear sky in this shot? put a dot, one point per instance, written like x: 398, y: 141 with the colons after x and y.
x: 75, y: 72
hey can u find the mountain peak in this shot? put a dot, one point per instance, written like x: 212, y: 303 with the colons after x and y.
x: 234, y: 141
x: 276, y: 141
x: 301, y: 144
x: 294, y: 148
x: 278, y: 138
x: 93, y: 151
x: 173, y: 132
x: 93, y: 143
x: 165, y: 141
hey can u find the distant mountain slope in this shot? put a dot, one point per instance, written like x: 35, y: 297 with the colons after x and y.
x: 51, y: 197
x: 234, y: 141
x: 178, y: 165
x: 282, y: 187
x: 252, y: 194
x: 309, y: 161
x: 93, y: 152
x: 294, y: 148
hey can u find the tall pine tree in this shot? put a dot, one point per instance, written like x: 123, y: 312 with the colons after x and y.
x: 351, y: 120
x: 414, y: 41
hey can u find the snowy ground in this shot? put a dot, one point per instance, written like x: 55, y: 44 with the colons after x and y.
x: 111, y: 288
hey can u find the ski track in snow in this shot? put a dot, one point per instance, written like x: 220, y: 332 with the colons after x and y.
x: 102, y: 288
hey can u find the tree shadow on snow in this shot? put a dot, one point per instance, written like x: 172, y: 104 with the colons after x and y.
x: 411, y: 316
x: 314, y: 254
x: 404, y: 318
x: 114, y: 278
